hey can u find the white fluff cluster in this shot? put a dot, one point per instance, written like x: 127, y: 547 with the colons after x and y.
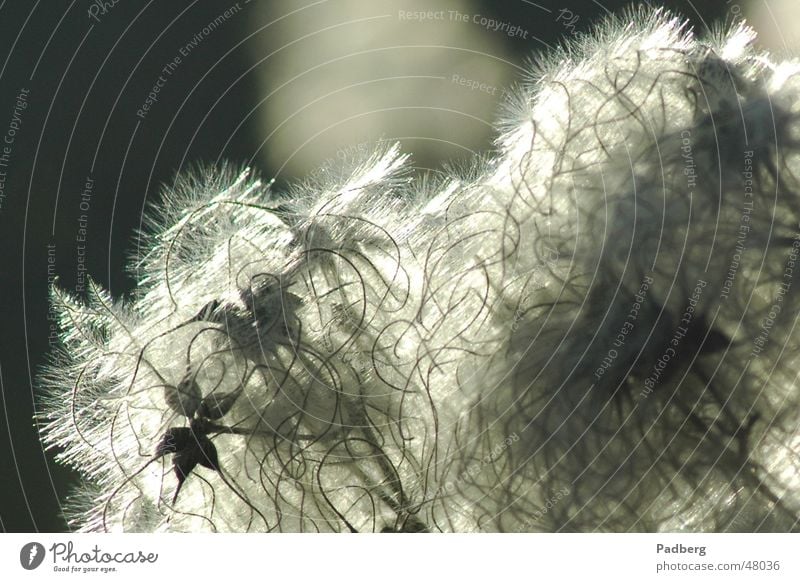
x: 593, y: 329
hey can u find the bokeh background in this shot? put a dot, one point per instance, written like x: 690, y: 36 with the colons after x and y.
x: 279, y: 85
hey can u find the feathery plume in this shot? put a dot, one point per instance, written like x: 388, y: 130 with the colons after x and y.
x: 592, y: 329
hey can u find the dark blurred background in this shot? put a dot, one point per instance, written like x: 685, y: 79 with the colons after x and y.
x: 276, y: 84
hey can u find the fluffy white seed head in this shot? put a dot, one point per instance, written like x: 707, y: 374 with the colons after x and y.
x: 592, y: 329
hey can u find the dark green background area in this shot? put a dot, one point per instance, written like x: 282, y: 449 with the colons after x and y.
x: 75, y: 114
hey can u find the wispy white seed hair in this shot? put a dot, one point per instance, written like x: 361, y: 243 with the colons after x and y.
x: 593, y: 329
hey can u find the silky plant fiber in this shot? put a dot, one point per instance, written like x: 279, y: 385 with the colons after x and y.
x: 590, y: 329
